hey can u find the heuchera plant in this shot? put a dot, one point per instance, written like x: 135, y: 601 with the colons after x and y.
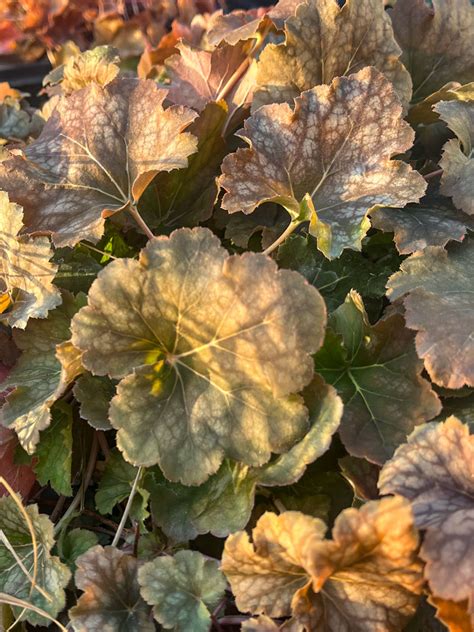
x: 237, y: 320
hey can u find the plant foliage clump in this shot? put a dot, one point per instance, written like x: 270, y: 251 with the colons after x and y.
x: 237, y: 318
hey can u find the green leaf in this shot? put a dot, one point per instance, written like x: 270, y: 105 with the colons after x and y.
x: 183, y: 590
x: 77, y: 268
x: 334, y: 279
x: 186, y: 197
x: 219, y: 506
x: 111, y: 599
x: 51, y: 576
x: 378, y: 375
x: 40, y: 376
x: 74, y: 543
x: 115, y: 485
x: 94, y: 394
x: 202, y: 342
x: 223, y: 504
x: 54, y: 451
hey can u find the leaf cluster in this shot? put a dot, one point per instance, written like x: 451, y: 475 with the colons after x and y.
x: 236, y: 318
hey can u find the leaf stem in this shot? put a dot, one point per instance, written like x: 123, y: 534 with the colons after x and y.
x: 84, y: 485
x: 433, y: 174
x: 128, y: 506
x: 292, y: 226
x: 140, y: 221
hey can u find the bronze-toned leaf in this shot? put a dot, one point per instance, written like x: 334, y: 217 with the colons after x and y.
x: 97, y: 153
x: 436, y: 42
x: 434, y: 221
x: 438, y: 290
x: 328, y: 160
x: 325, y: 41
x: 435, y: 471
x: 366, y: 579
x: 457, y: 162
x: 199, y: 77
x: 201, y: 340
x: 111, y: 598
x: 26, y: 273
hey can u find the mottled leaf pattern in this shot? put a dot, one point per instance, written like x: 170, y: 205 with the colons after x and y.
x: 438, y: 290
x: 182, y: 589
x: 332, y: 154
x: 324, y: 41
x: 435, y: 471
x: 111, y: 598
x: 95, y: 156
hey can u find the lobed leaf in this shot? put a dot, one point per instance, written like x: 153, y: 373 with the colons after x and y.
x: 94, y: 394
x: 366, y: 578
x: 111, y: 599
x: 47, y: 365
x: 199, y: 77
x: 115, y: 485
x: 186, y: 197
x: 17, y: 561
x: 223, y: 503
x: 457, y: 162
x: 202, y: 340
x: 97, y: 153
x: 328, y: 160
x: 323, y: 41
x: 376, y: 371
x: 434, y: 221
x: 437, y: 287
x: 436, y: 42
x: 26, y: 272
x: 183, y: 589
x: 435, y: 471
